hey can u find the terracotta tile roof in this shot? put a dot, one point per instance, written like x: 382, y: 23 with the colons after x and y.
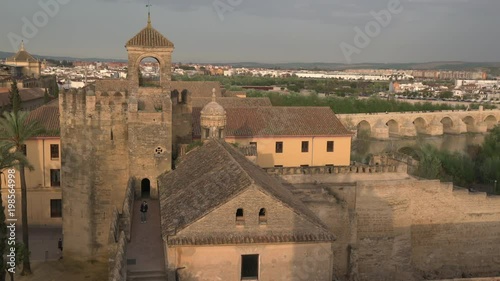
x: 247, y: 239
x: 48, y: 117
x: 21, y: 56
x: 278, y: 121
x: 26, y: 95
x: 197, y: 88
x: 212, y: 175
x: 149, y: 37
x: 232, y: 102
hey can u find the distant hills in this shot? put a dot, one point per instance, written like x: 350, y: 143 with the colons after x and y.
x: 4, y: 55
x: 492, y: 68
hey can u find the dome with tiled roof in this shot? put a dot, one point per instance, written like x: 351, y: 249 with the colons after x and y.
x: 22, y: 56
x: 149, y: 37
x: 213, y: 108
x: 213, y: 119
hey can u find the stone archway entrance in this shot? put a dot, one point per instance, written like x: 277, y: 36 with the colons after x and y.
x: 145, y: 188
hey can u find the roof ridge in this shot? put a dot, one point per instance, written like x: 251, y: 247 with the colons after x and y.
x: 260, y: 187
x: 219, y: 142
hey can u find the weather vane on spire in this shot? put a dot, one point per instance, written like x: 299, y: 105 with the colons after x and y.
x: 149, y: 12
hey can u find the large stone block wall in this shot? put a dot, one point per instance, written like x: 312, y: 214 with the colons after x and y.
x: 182, y: 127
x: 93, y: 177
x: 147, y: 132
x: 334, y: 205
x: 404, y: 229
x: 414, y: 230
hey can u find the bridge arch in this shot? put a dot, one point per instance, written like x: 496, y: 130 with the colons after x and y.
x: 420, y: 125
x: 491, y: 121
x: 364, y: 129
x: 447, y: 125
x: 470, y: 122
x: 393, y: 126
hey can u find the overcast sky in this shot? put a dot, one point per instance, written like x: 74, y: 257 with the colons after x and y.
x: 261, y: 30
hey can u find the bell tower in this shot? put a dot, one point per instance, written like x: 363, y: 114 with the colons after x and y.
x: 150, y: 110
x: 149, y: 43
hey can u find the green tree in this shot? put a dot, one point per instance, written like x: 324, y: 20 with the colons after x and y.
x: 446, y: 95
x: 16, y: 128
x: 429, y: 163
x: 489, y: 158
x: 54, y: 88
x: 8, y: 158
x: 15, y: 98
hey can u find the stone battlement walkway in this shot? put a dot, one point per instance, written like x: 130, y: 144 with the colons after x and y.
x: 146, y: 244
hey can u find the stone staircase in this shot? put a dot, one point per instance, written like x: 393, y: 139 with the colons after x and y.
x: 146, y: 276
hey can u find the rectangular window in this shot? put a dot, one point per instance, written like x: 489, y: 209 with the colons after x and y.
x: 249, y: 267
x: 278, y: 166
x: 55, y: 208
x: 54, y: 151
x: 55, y: 177
x: 24, y: 149
x: 305, y: 146
x: 253, y: 143
x: 279, y: 147
x: 329, y: 146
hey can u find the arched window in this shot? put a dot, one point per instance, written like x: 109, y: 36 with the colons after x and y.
x: 262, y: 216
x: 184, y: 96
x: 239, y: 216
x: 149, y: 72
x: 175, y: 97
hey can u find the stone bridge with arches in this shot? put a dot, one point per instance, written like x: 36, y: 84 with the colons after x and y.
x: 410, y: 124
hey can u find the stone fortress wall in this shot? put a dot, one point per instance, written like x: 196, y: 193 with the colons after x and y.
x: 391, y: 228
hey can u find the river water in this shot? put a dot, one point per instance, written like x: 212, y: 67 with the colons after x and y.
x: 452, y: 143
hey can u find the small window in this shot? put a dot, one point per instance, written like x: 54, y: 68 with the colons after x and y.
x: 24, y: 149
x: 278, y: 166
x: 253, y: 143
x: 262, y: 216
x: 249, y: 267
x: 54, y: 151
x: 279, y: 147
x: 329, y: 146
x: 55, y: 177
x: 55, y: 208
x: 305, y: 146
x: 239, y: 216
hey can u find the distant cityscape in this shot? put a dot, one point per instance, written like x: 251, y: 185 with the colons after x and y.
x: 471, y: 86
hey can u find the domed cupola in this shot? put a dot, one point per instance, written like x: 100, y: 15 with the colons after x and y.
x: 213, y: 120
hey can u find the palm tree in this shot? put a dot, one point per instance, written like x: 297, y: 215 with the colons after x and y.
x: 8, y: 158
x: 15, y: 128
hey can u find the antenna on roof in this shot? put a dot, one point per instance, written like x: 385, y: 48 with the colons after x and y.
x: 149, y: 13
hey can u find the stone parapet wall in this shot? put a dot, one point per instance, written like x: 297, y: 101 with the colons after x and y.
x: 404, y: 229
x: 354, y: 169
x: 118, y: 259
